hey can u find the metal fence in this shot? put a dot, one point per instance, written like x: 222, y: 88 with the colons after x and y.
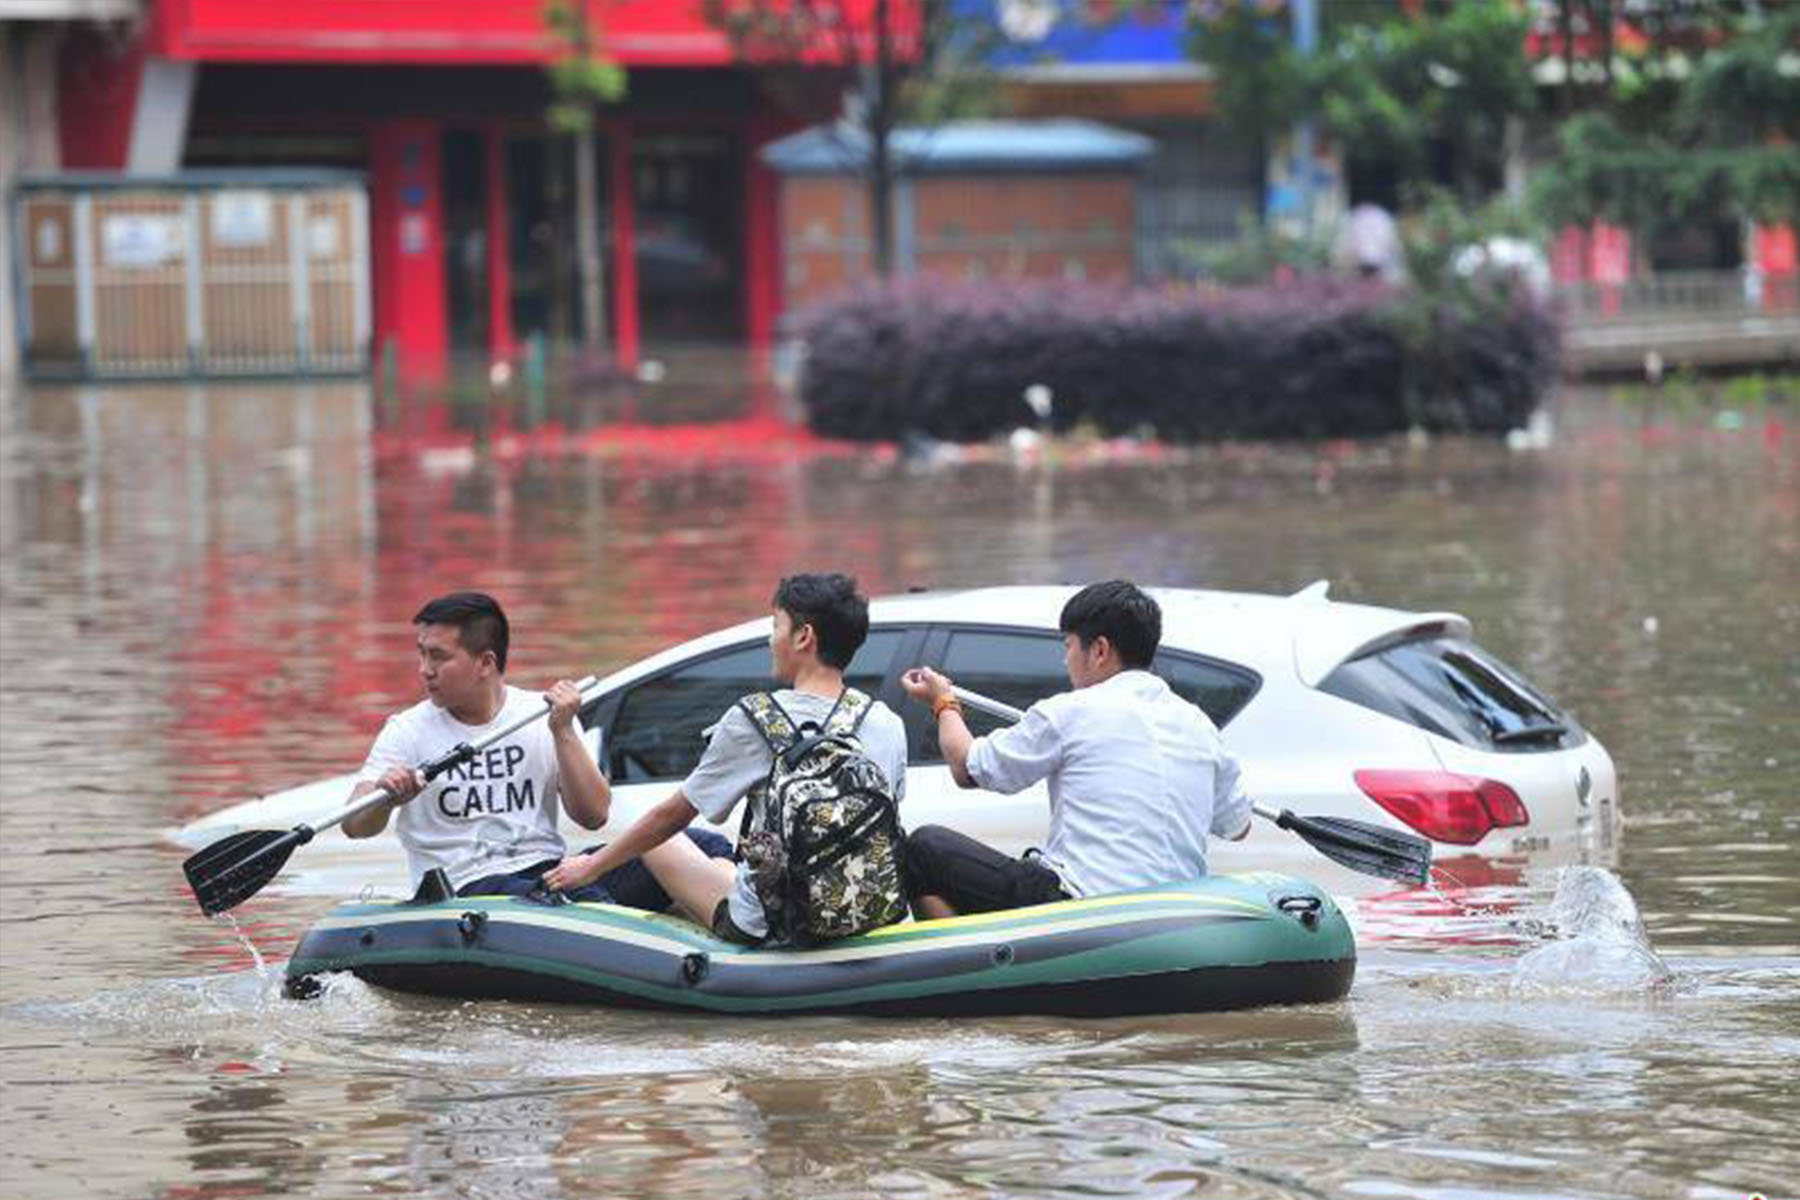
x: 1689, y: 318
x: 1679, y: 295
x: 222, y: 273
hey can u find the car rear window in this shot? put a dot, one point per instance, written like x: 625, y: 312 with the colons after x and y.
x: 1457, y: 690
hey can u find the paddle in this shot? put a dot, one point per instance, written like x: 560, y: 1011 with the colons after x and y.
x: 1370, y: 849
x: 235, y: 868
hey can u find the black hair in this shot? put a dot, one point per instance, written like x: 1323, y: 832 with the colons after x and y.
x: 1122, y: 613
x: 480, y: 623
x: 831, y: 604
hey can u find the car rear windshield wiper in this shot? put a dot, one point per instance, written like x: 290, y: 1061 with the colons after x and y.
x: 1530, y: 733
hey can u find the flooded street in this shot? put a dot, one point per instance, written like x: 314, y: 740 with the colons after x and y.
x: 205, y: 596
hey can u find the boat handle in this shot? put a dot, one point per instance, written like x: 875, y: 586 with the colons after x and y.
x: 693, y: 967
x: 471, y: 923
x: 1306, y: 908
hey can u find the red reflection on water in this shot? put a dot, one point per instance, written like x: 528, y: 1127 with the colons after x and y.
x: 750, y: 439
x: 679, y: 529
x: 1468, y: 898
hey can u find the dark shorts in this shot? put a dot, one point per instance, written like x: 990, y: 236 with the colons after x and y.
x: 727, y: 930
x: 973, y: 877
x: 631, y: 885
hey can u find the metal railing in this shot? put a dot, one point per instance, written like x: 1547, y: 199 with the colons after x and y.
x: 1680, y: 295
x: 1693, y: 318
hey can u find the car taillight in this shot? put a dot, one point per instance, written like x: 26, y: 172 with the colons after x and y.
x: 1444, y: 806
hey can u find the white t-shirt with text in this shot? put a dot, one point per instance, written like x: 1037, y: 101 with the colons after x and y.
x: 491, y: 816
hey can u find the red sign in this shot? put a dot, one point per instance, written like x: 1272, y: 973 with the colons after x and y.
x: 630, y: 32
x: 1610, y: 254
x: 1774, y: 250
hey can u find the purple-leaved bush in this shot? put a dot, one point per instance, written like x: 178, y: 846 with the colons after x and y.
x: 1313, y: 358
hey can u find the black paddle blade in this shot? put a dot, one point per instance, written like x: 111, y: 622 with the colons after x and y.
x: 233, y: 869
x: 1370, y: 849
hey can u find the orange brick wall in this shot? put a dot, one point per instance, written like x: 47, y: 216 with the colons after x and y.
x: 992, y: 226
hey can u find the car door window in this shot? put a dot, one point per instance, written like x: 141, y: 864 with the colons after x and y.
x: 658, y: 730
x: 1218, y: 689
x: 1017, y: 668
x: 1022, y: 668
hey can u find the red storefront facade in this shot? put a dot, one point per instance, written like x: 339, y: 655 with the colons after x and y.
x: 441, y: 104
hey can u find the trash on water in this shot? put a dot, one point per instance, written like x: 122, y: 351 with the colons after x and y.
x: 1536, y: 434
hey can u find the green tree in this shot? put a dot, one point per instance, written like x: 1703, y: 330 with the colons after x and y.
x: 1427, y: 95
x: 1701, y: 120
x: 581, y: 79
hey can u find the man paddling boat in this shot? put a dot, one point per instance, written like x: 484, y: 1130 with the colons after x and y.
x: 490, y: 823
x: 1138, y: 777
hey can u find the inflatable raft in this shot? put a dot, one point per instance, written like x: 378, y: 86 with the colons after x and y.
x: 1224, y: 942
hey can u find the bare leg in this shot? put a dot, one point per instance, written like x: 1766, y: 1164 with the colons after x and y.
x: 927, y: 908
x: 695, y: 882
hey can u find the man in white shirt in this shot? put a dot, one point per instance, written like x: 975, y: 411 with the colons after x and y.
x: 818, y: 623
x: 489, y: 823
x: 1138, y: 777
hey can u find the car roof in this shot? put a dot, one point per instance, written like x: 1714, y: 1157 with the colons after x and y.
x: 1306, y: 634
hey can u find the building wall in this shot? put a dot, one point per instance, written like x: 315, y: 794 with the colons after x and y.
x: 380, y: 87
x: 1203, y: 182
x: 1012, y: 226
x: 11, y: 131
x: 28, y: 142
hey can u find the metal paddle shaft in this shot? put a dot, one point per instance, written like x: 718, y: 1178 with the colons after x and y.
x: 235, y: 868
x: 988, y: 704
x: 1369, y: 849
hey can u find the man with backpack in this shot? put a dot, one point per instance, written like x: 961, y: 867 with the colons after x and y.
x: 822, y: 769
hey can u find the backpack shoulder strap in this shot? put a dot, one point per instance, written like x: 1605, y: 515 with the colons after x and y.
x: 849, y: 713
x: 771, y: 720
x: 779, y: 732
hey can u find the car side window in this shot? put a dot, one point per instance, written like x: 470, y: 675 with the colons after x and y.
x: 1017, y: 668
x: 1218, y: 689
x: 658, y: 730
x: 1022, y: 668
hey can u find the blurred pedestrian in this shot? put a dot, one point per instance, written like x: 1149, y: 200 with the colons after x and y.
x: 1369, y: 243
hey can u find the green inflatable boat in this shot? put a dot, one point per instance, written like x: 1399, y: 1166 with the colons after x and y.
x: 1224, y: 942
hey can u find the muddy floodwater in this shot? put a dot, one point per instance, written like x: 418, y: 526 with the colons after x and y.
x: 204, y: 596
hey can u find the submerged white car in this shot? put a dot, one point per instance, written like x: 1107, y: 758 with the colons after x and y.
x: 1347, y: 710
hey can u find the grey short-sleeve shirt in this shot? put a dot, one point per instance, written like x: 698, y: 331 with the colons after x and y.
x: 737, y: 759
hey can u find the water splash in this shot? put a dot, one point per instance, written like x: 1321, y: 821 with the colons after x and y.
x: 256, y: 958
x: 1599, y: 946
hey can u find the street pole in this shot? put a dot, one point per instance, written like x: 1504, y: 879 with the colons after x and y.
x: 1306, y: 41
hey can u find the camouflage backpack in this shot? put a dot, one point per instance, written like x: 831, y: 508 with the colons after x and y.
x: 822, y: 834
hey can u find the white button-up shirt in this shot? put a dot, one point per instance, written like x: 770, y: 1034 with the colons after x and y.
x: 1138, y: 777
